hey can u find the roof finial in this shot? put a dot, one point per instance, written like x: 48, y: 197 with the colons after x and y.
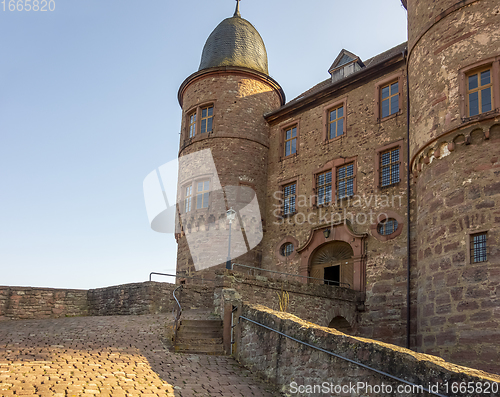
x: 237, y: 11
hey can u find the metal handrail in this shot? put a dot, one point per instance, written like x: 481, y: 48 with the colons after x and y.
x: 344, y: 358
x: 337, y: 284
x: 178, y: 314
x: 178, y: 310
x: 178, y: 276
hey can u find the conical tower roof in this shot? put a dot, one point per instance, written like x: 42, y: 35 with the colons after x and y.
x: 235, y: 42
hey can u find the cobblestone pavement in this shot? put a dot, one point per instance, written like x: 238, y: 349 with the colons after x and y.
x: 111, y: 356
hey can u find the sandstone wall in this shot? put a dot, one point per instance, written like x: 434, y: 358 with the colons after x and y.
x: 128, y: 299
x: 454, y: 159
x: 29, y: 303
x: 283, y: 361
x: 147, y: 298
x: 311, y: 302
x: 239, y: 144
x: 386, y: 259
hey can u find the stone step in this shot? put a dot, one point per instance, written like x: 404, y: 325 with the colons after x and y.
x: 199, y: 333
x: 202, y: 323
x: 190, y: 341
x: 199, y: 349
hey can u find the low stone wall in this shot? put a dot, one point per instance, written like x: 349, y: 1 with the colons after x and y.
x: 296, y: 368
x: 127, y: 299
x: 36, y: 303
x: 147, y: 298
x: 316, y: 303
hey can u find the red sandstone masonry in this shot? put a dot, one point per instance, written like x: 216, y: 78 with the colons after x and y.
x: 147, y: 298
x: 283, y: 361
x: 30, y: 303
x: 239, y: 146
x: 386, y: 261
x: 455, y: 168
x: 312, y: 302
x: 128, y: 299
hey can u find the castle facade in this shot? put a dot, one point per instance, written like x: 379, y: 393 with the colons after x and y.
x: 384, y: 178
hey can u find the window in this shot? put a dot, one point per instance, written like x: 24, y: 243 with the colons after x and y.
x: 345, y: 181
x: 291, y: 141
x: 324, y: 187
x: 478, y: 248
x: 389, y: 99
x: 289, y: 195
x: 479, y: 92
x: 200, y: 120
x: 388, y: 161
x: 389, y: 167
x: 192, y: 125
x: 206, y: 119
x: 202, y: 194
x: 188, y: 198
x: 387, y: 227
x: 286, y: 249
x: 480, y: 88
x: 336, y: 122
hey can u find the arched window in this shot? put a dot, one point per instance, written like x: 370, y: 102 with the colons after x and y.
x: 286, y: 249
x: 387, y: 227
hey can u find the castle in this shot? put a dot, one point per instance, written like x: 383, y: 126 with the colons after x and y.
x: 382, y: 179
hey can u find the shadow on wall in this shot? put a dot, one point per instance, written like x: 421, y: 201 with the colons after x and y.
x: 340, y: 324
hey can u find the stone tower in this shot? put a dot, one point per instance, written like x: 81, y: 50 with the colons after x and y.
x: 454, y: 127
x: 223, y: 104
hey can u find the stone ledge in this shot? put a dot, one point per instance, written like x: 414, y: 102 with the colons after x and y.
x: 258, y: 349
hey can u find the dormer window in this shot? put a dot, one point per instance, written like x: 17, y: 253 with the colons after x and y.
x: 345, y: 64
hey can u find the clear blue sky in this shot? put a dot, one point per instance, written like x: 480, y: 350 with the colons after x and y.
x: 88, y: 107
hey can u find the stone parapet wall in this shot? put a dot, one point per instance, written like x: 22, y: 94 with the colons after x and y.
x: 283, y: 361
x: 147, y: 298
x: 127, y: 299
x: 317, y: 303
x: 138, y: 298
x: 37, y: 303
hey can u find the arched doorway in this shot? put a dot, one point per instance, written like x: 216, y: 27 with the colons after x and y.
x: 342, y: 233
x: 333, y: 262
x: 340, y: 324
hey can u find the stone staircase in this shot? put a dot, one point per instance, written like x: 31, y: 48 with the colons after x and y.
x: 199, y: 333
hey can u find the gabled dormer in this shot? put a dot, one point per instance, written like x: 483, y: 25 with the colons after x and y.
x: 345, y: 64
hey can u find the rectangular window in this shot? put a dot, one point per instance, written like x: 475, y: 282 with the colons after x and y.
x: 202, y: 194
x: 188, y: 198
x: 291, y: 141
x: 324, y: 187
x: 479, y: 92
x: 192, y: 125
x: 478, y: 248
x: 389, y: 167
x: 206, y: 119
x: 289, y: 195
x: 389, y: 99
x: 345, y: 181
x: 336, y: 122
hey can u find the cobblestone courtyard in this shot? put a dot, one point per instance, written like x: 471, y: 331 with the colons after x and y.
x: 111, y: 356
